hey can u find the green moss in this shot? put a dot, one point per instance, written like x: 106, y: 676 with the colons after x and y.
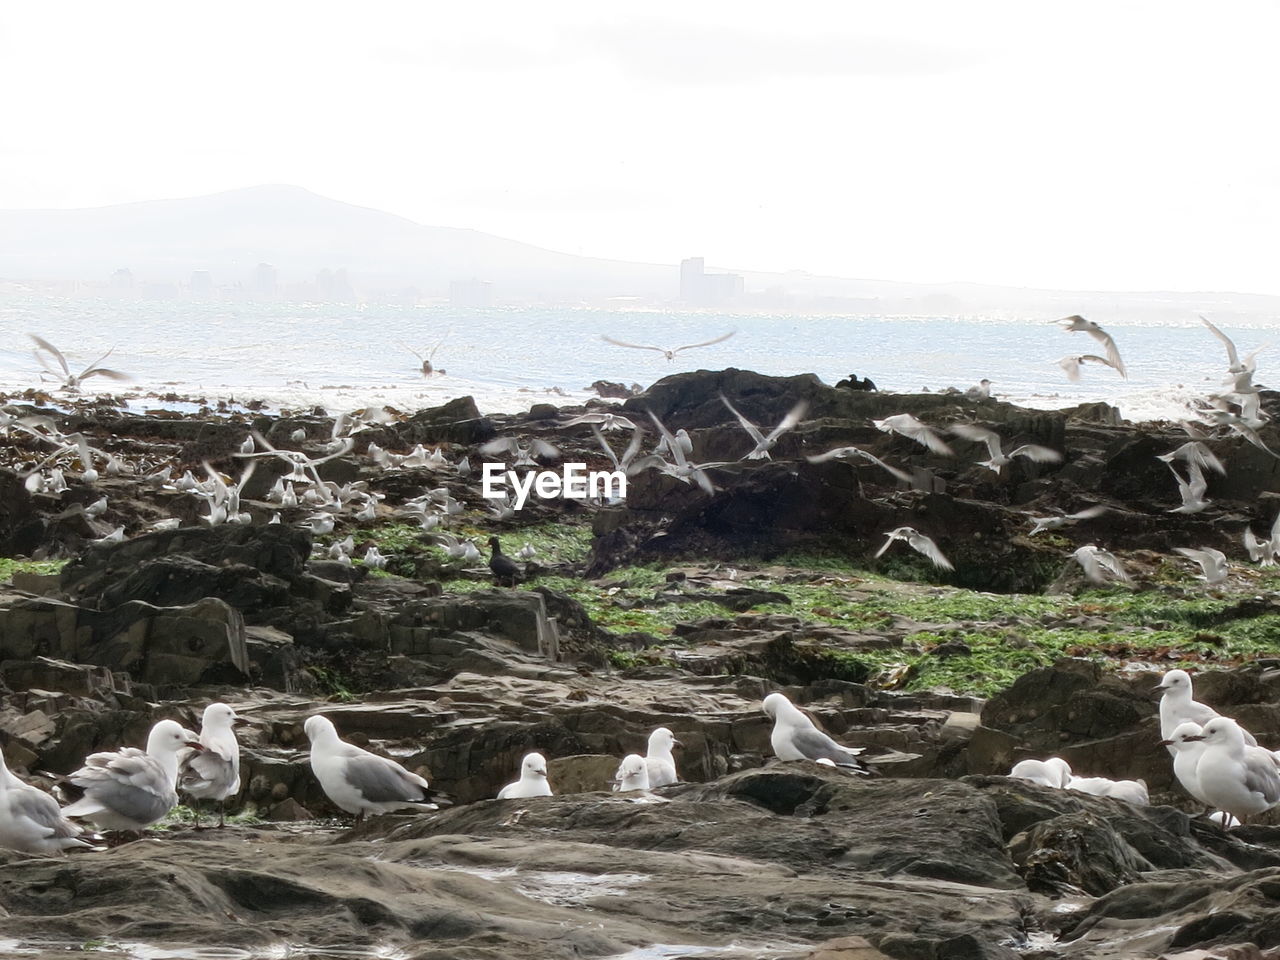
x: 11, y: 565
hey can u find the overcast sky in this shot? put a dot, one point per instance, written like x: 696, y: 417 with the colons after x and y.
x: 1092, y: 145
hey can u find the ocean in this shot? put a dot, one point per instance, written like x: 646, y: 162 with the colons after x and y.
x: 342, y: 357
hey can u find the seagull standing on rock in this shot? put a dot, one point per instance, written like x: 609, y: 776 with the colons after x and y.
x: 213, y: 772
x: 658, y: 759
x: 533, y: 780
x: 1178, y: 705
x: 31, y: 821
x: 1233, y: 777
x: 632, y: 774
x: 358, y: 781
x: 131, y: 789
x: 1186, y: 744
x: 796, y: 737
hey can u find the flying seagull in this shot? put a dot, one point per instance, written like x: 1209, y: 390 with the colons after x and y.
x: 1194, y: 451
x: 427, y: 368
x: 998, y: 458
x: 1071, y: 365
x: 669, y: 353
x: 1213, y: 563
x: 919, y: 543
x: 1057, y: 523
x: 908, y: 426
x: 71, y: 381
x: 1191, y: 490
x: 1263, y: 552
x: 1099, y: 565
x: 1078, y: 324
x: 850, y: 454
x: 765, y: 444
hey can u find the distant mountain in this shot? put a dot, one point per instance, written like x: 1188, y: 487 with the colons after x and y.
x: 301, y: 233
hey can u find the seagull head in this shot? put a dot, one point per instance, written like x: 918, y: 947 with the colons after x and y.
x: 1178, y: 681
x: 534, y: 765
x: 319, y: 728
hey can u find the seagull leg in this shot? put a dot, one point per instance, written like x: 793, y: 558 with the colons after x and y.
x: 359, y: 818
x: 222, y: 812
x: 195, y: 814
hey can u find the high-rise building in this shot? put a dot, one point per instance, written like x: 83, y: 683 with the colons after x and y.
x: 471, y: 293
x: 265, y: 280
x: 702, y: 289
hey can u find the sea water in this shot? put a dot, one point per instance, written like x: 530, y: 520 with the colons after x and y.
x: 343, y: 357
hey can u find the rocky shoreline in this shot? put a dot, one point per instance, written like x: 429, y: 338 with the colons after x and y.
x: 673, y: 608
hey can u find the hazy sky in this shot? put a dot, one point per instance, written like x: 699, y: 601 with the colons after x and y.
x: 1086, y: 145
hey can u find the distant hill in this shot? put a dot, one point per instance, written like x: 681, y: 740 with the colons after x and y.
x: 301, y: 233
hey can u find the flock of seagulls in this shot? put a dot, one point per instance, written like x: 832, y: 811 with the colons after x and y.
x: 1215, y: 760
x: 129, y: 789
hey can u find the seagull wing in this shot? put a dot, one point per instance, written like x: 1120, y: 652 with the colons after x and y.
x: 1112, y: 563
x: 1088, y: 513
x: 690, y: 346
x: 1071, y: 367
x: 502, y: 445
x: 747, y: 425
x: 1232, y: 357
x: 971, y: 431
x: 1254, y: 545
x: 926, y: 547
x: 1113, y: 354
x: 541, y: 448
x: 900, y: 474
x: 604, y: 445
x: 1033, y: 451
x: 633, y: 346
x: 1196, y: 483
x: 633, y: 448
x: 673, y: 445
x: 889, y: 537
x: 1088, y: 560
x: 836, y: 453
x: 52, y: 351
x: 793, y: 417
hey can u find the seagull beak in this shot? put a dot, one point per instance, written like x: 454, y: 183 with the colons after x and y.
x: 677, y: 743
x: 1166, y: 743
x: 1193, y: 738
x: 541, y: 773
x: 240, y: 722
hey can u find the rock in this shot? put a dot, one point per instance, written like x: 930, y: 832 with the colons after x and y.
x: 288, y: 810
x: 846, y: 948
x: 587, y: 773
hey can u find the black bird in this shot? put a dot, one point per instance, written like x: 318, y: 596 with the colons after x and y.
x: 505, y: 570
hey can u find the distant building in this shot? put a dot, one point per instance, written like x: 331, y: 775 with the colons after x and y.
x: 702, y: 289
x: 333, y: 286
x: 122, y: 279
x: 201, y: 283
x: 265, y: 280
x: 471, y: 293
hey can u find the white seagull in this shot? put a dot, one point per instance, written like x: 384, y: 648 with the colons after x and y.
x: 31, y: 821
x: 669, y: 353
x: 796, y: 737
x: 131, y: 789
x: 1078, y: 324
x: 532, y: 782
x: 997, y: 458
x: 632, y: 774
x: 1186, y: 745
x: 1054, y: 772
x: 850, y: 454
x: 1233, y: 777
x: 71, y: 381
x: 213, y: 773
x: 1178, y: 705
x: 1192, y: 490
x: 918, y: 542
x: 358, y: 781
x: 1195, y: 451
x: 1100, y: 565
x: 659, y: 760
x: 763, y: 444
x: 1213, y: 563
x: 1042, y: 524
x: 904, y: 424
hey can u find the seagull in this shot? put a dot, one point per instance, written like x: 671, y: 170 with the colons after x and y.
x: 1042, y: 524
x: 908, y: 426
x: 682, y: 439
x: 527, y: 552
x: 1186, y: 745
x: 980, y: 391
x: 1099, y: 565
x: 31, y: 821
x: 857, y: 453
x: 603, y: 421
x: 670, y: 354
x: 1234, y: 778
x: 1233, y: 358
x: 1191, y: 490
x: 1245, y: 427
x: 532, y: 782
x: 1213, y: 563
x: 796, y: 737
x: 919, y: 543
x: 213, y: 772
x: 1053, y: 772
x: 1178, y: 705
x: 658, y: 759
x: 1264, y: 552
x: 1194, y: 451
x: 1071, y: 365
x: 525, y: 455
x: 299, y: 462
x: 427, y: 368
x: 374, y: 560
x: 358, y: 781
x: 998, y: 458
x: 71, y: 381
x: 457, y: 548
x: 131, y: 789
x: 682, y: 469
x: 764, y: 444
x: 632, y: 774
x: 628, y: 456
x: 1133, y: 791
x: 1078, y: 324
